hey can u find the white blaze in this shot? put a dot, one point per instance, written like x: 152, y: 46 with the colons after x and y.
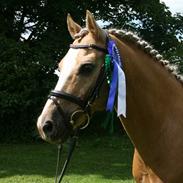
x: 69, y: 62
x: 68, y: 65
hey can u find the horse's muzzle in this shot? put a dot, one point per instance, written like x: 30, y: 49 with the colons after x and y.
x: 53, y: 129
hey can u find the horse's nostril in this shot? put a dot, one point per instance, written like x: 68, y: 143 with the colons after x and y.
x: 48, y: 127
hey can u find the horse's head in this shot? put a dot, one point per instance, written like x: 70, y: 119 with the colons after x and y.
x: 81, y: 76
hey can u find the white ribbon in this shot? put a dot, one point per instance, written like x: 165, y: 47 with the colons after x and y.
x: 121, y: 105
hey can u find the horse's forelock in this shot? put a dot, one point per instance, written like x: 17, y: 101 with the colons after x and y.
x: 81, y: 34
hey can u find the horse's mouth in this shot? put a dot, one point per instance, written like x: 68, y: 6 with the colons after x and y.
x: 56, y: 134
x: 59, y: 137
x: 54, y: 141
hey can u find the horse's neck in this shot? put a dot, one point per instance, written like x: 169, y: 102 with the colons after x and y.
x: 154, y: 109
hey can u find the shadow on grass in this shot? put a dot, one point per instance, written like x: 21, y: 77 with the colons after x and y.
x: 109, y: 157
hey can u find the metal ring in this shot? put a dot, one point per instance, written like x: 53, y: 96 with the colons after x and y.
x: 83, y: 112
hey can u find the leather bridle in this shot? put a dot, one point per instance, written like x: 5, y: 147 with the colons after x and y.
x: 85, y: 105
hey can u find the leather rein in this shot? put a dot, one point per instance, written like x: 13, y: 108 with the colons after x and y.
x: 85, y: 106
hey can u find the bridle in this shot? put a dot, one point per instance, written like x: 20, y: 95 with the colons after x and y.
x: 84, y: 105
x: 85, y: 109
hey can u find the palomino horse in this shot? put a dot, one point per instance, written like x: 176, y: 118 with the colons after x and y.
x: 154, y: 95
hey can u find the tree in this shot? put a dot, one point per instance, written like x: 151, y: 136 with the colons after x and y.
x: 34, y: 36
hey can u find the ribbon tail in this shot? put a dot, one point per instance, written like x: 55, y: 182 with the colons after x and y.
x: 121, y: 105
x: 118, y: 82
x: 113, y: 89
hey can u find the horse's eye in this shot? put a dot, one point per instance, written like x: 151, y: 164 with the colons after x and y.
x: 86, y: 69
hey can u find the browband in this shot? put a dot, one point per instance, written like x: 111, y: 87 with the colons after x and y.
x: 89, y: 46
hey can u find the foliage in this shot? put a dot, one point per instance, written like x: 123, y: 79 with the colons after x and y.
x: 34, y: 36
x: 23, y: 87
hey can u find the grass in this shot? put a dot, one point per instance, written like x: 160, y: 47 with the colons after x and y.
x: 95, y: 160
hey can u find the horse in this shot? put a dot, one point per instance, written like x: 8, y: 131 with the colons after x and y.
x: 154, y: 95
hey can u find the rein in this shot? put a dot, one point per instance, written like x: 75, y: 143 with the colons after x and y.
x: 85, y: 106
x: 72, y: 145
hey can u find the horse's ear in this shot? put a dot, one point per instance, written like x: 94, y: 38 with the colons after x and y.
x: 73, y: 27
x: 91, y: 24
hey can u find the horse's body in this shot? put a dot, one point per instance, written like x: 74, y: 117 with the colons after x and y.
x: 154, y: 120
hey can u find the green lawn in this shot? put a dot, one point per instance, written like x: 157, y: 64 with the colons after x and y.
x: 95, y: 160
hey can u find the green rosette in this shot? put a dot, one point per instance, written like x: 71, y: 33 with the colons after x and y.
x: 108, y: 70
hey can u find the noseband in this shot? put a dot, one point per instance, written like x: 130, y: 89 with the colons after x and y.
x: 85, y: 105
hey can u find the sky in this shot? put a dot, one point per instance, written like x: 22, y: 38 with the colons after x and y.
x: 176, y: 6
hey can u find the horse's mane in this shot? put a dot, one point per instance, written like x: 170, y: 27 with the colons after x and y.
x: 132, y: 37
